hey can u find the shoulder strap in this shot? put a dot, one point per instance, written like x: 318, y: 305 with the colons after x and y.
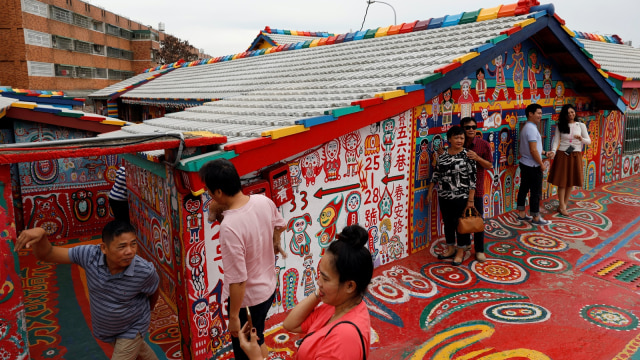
x: 364, y: 350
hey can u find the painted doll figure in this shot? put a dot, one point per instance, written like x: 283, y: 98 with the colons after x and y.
x: 466, y: 99
x: 332, y: 161
x: 352, y: 205
x: 481, y: 85
x: 533, y: 69
x: 351, y: 143
x: 518, y: 74
x: 423, y: 161
x: 559, y: 100
x: 308, y: 276
x: 447, y: 107
x: 546, y: 81
x: 501, y: 80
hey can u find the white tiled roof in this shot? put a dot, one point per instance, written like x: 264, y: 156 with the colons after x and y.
x: 5, y: 102
x: 122, y: 84
x: 617, y: 58
x: 274, y: 90
x: 282, y: 39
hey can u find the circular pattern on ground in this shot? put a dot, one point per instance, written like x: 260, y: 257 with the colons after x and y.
x: 498, y: 271
x: 609, y: 317
x: 542, y: 242
x: 570, y: 229
x: 634, y: 255
x: 627, y: 200
x: 517, y: 313
x: 449, y: 276
x: 545, y: 263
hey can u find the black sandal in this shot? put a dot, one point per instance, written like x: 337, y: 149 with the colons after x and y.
x: 442, y: 256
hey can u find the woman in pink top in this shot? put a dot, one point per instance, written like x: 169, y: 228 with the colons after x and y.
x: 340, y: 327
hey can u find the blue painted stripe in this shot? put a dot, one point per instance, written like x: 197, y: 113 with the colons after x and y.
x: 482, y: 48
x: 615, y: 236
x: 315, y: 120
x: 411, y: 88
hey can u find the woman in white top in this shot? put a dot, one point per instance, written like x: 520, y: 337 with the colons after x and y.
x: 566, y: 170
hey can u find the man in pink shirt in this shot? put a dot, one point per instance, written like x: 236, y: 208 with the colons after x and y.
x: 249, y: 234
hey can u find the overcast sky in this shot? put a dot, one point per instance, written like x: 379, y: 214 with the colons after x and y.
x: 224, y: 27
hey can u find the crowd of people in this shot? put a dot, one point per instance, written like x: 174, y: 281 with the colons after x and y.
x: 123, y: 287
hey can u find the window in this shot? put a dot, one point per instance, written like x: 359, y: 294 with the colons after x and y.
x: 632, y: 133
x: 98, y: 49
x: 84, y: 72
x: 35, y: 7
x: 64, y: 70
x: 81, y: 21
x: 118, y: 19
x: 98, y: 26
x: 33, y: 37
x: 70, y: 2
x: 61, y: 15
x: 126, y: 54
x: 126, y: 34
x: 113, y: 30
x: 62, y: 43
x: 82, y: 46
x: 87, y: 7
x: 100, y: 73
x: 113, y: 52
x: 103, y: 13
x: 40, y: 69
x: 119, y: 75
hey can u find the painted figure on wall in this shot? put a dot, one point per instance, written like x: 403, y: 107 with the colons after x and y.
x: 82, y: 205
x: 388, y: 127
x: 352, y: 205
x: 386, y: 204
x: 466, y: 99
x: 47, y: 214
x: 308, y: 276
x: 424, y: 165
x: 634, y: 99
x: 481, y: 85
x: 385, y: 228
x: 533, y: 69
x: 491, y: 121
x: 332, y: 161
x: 351, y: 143
x: 518, y: 74
x: 447, y: 107
x: 501, y: 80
x: 559, y: 100
x: 435, y: 109
x: 504, y: 146
x: 372, y: 141
x: 546, y: 81
x: 311, y: 166
x: 423, y: 123
x: 295, y: 174
x: 300, y: 240
x: 328, y: 220
x: 277, y: 300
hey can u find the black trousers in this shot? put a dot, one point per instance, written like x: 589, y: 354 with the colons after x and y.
x: 530, y: 182
x: 451, y: 210
x: 258, y: 318
x: 478, y: 238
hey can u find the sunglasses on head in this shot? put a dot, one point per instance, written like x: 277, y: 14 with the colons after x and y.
x: 470, y: 127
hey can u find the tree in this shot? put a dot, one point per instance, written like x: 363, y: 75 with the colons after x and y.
x: 173, y: 49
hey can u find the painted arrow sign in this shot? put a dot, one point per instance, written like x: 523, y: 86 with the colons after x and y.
x: 386, y: 179
x: 321, y: 192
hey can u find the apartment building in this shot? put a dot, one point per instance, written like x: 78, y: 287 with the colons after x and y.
x: 71, y: 45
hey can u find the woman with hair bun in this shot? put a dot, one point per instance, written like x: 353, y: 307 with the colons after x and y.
x: 339, y: 328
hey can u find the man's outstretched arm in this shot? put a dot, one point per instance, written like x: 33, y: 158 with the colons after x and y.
x: 37, y: 240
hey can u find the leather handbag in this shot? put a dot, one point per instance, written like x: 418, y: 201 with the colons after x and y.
x: 470, y: 222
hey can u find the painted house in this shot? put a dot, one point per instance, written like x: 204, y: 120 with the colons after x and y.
x: 343, y: 130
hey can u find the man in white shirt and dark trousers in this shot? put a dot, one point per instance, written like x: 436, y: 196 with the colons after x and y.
x: 531, y: 166
x: 118, y: 201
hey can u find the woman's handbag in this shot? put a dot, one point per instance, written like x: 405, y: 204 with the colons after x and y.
x: 470, y: 222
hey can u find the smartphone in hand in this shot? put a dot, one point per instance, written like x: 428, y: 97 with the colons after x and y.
x: 249, y: 319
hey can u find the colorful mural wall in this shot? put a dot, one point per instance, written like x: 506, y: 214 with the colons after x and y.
x: 68, y: 197
x: 13, y: 328
x: 151, y: 213
x: 496, y: 96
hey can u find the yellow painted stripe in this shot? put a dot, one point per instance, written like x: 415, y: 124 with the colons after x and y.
x: 3, y: 112
x: 113, y: 122
x: 24, y: 105
x: 285, y: 131
x: 390, y: 94
x: 314, y: 43
x: 464, y: 58
x: 568, y: 31
x: 45, y: 95
x: 526, y: 22
x: 293, y: 32
x: 198, y: 192
x: 603, y: 73
x: 610, y: 268
x: 489, y: 13
x: 382, y: 31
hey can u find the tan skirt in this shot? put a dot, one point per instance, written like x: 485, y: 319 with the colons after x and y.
x: 566, y: 170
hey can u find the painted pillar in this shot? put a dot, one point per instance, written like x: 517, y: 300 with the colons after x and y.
x: 13, y: 330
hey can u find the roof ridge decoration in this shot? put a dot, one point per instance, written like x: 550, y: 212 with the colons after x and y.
x: 143, y: 81
x: 520, y: 8
x: 37, y: 93
x: 268, y: 30
x: 613, y: 39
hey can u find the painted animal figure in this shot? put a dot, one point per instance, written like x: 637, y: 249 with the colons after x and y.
x: 300, y: 241
x: 491, y: 121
